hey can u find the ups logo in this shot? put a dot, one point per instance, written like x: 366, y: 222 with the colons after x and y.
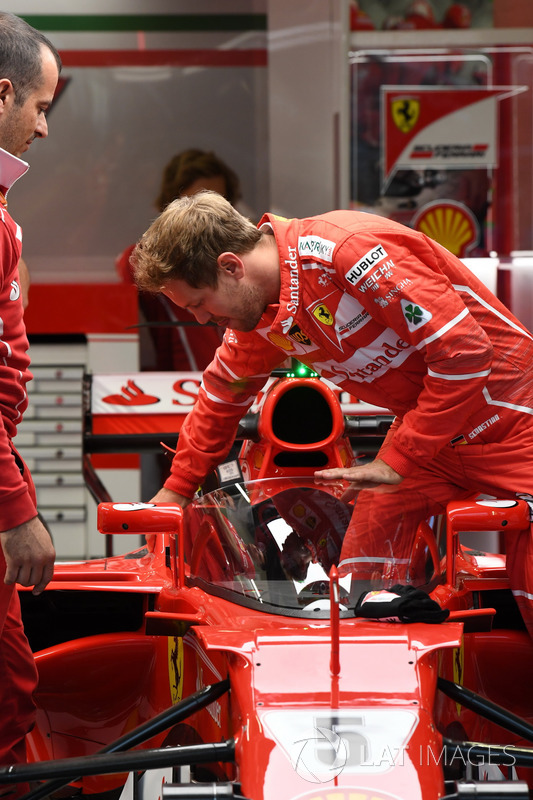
x: 405, y: 113
x: 297, y: 335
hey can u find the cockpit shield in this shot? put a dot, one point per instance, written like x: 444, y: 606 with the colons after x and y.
x: 273, y: 543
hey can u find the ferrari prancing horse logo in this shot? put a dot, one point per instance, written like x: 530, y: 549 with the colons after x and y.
x: 323, y: 314
x: 405, y: 112
x: 175, y: 667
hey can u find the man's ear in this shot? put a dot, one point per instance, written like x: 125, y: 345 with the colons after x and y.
x: 231, y: 264
x: 7, y: 92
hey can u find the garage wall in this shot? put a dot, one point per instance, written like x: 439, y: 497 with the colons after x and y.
x: 141, y: 81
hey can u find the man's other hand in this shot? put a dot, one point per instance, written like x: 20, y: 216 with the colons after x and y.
x: 29, y: 555
x: 167, y: 496
x: 367, y: 476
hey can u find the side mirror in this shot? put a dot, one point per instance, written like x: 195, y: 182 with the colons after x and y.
x: 481, y: 515
x: 139, y: 517
x: 148, y: 518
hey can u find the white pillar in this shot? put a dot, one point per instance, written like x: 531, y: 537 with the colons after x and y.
x: 308, y: 105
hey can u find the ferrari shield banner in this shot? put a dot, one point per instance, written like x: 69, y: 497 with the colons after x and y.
x: 440, y: 127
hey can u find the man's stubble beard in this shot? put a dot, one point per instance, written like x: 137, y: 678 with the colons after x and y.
x: 252, y: 308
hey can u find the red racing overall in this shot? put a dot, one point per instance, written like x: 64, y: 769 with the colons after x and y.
x: 396, y: 320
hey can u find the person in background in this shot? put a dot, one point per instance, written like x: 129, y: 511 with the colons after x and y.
x: 186, y: 347
x: 192, y: 170
x: 29, y: 72
x: 388, y: 315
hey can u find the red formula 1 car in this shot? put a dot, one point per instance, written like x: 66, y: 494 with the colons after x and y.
x: 225, y: 658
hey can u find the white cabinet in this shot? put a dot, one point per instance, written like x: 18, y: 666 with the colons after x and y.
x: 50, y: 441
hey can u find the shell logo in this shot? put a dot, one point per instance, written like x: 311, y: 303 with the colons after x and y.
x: 449, y: 223
x: 280, y: 341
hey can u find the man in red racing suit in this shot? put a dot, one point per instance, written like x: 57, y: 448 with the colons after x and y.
x: 29, y: 71
x: 388, y: 315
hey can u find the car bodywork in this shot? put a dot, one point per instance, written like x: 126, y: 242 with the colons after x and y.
x: 207, y: 655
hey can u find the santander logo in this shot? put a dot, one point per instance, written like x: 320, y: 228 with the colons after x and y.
x: 131, y: 395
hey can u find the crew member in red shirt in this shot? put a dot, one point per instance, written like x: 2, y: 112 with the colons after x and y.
x: 29, y: 71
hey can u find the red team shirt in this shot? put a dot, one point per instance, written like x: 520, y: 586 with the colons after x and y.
x: 391, y: 317
x: 16, y: 503
x: 17, y: 497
